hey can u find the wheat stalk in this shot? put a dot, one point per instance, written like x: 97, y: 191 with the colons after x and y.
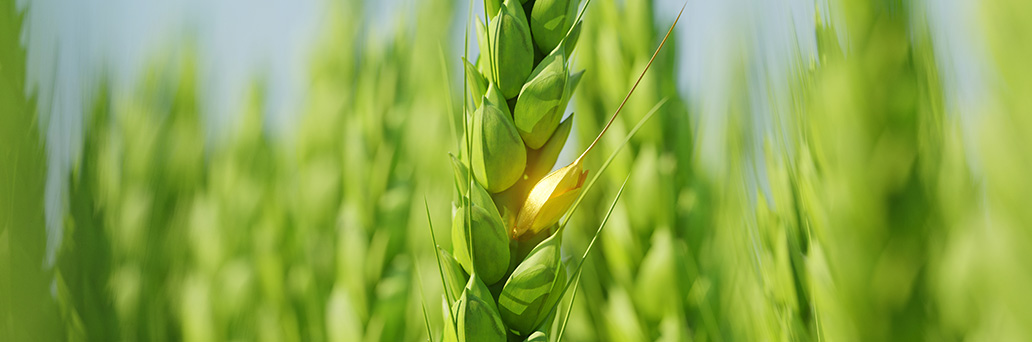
x: 506, y: 233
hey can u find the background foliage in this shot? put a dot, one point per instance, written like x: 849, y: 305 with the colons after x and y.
x: 879, y: 216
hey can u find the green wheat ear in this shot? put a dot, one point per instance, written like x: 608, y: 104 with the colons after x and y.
x: 505, y: 132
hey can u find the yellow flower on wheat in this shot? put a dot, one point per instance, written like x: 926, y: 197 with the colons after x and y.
x: 549, y: 199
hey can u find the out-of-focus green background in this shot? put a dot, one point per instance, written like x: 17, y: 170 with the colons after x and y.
x: 848, y: 180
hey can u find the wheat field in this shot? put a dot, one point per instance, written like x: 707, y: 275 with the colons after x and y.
x: 856, y: 196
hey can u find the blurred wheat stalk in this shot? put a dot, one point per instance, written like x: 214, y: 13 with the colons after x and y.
x: 24, y: 314
x: 254, y: 239
x: 874, y: 228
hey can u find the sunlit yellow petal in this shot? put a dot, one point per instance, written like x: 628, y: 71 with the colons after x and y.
x: 549, y: 200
